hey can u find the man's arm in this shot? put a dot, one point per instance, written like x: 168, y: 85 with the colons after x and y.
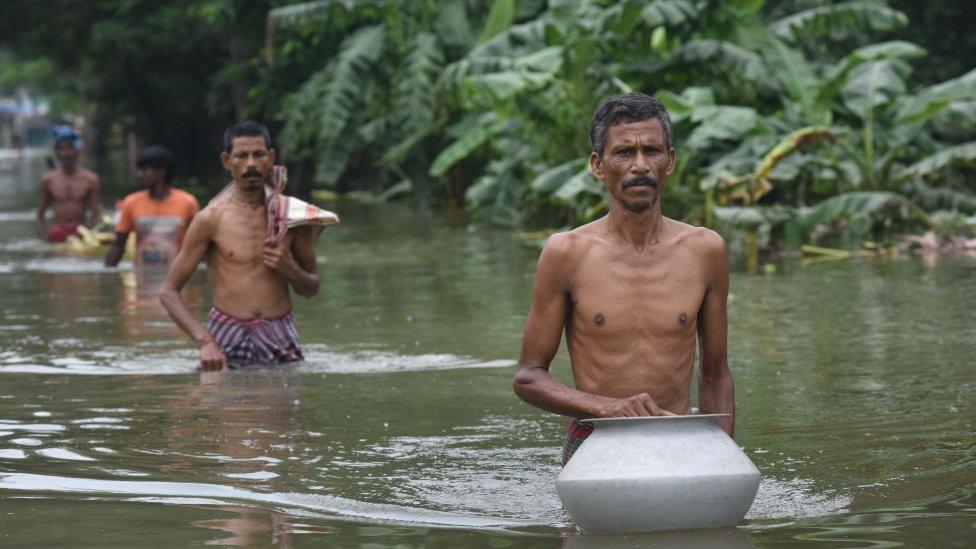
x: 715, y: 388
x: 297, y: 267
x: 198, y: 238
x: 95, y: 203
x: 543, y: 330
x: 125, y: 224
x: 117, y: 249
x: 43, y: 203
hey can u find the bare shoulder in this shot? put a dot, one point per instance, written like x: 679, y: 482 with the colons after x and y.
x: 702, y: 239
x: 569, y: 245
x: 88, y: 176
x: 208, y: 218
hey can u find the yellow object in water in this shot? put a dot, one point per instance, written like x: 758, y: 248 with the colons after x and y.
x: 95, y: 241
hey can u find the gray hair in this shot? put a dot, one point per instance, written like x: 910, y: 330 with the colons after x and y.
x: 621, y: 109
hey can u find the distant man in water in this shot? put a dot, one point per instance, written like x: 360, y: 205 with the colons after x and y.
x: 69, y: 191
x: 632, y: 289
x: 251, y: 320
x: 159, y: 214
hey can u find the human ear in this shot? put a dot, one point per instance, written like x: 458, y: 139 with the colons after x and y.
x: 596, y: 165
x: 272, y: 154
x: 225, y: 160
x: 672, y: 160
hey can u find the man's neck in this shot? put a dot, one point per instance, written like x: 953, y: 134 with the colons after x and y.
x: 252, y: 198
x: 159, y: 191
x: 637, y: 229
x: 69, y: 170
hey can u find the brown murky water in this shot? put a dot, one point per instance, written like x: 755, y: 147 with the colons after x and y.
x: 855, y: 385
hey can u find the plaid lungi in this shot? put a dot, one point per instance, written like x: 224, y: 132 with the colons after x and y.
x: 260, y: 340
x: 574, y: 438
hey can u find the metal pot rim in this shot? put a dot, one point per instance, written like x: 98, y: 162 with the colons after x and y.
x: 609, y: 420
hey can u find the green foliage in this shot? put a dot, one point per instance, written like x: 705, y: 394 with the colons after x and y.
x: 847, y: 206
x: 475, y: 136
x: 726, y: 57
x: 791, y: 118
x: 669, y: 12
x: 174, y: 73
x: 957, y: 156
x: 322, y: 109
x: 500, y: 17
x: 874, y: 84
x: 838, y: 21
x: 307, y: 12
x: 741, y: 140
x: 934, y: 99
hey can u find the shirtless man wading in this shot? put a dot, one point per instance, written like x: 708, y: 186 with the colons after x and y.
x: 632, y: 289
x: 68, y: 191
x: 251, y: 320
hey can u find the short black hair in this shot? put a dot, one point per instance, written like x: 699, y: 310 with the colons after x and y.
x: 245, y: 128
x: 157, y: 157
x: 71, y: 140
x: 622, y: 109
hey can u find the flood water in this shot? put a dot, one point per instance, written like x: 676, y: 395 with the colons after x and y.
x: 855, y: 386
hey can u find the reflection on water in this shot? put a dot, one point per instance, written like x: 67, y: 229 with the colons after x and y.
x: 717, y: 538
x: 141, y: 315
x: 854, y: 386
x: 250, y: 528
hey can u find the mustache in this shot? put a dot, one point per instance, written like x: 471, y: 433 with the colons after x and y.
x: 251, y: 173
x: 640, y: 181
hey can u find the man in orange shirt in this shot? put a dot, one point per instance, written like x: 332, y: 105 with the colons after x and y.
x: 159, y: 214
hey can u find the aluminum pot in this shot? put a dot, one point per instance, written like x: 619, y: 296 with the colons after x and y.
x: 657, y: 473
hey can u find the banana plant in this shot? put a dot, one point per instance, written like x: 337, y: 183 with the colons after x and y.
x: 782, y: 125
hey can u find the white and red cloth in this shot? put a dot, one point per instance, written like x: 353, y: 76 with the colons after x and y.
x: 286, y: 212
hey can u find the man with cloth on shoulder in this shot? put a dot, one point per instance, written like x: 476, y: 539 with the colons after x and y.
x: 255, y: 256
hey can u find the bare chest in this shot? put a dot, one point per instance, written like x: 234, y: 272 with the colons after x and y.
x: 69, y: 188
x: 621, y: 295
x: 239, y: 240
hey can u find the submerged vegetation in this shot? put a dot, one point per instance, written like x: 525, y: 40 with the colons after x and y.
x: 798, y: 122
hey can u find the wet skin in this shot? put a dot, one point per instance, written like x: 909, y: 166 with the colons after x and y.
x: 251, y: 277
x: 69, y: 191
x: 634, y: 291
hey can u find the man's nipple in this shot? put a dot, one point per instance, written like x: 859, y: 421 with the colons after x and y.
x: 599, y: 320
x: 682, y: 319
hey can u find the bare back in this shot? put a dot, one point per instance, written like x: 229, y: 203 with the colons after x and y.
x: 632, y: 318
x: 69, y: 195
x: 243, y: 286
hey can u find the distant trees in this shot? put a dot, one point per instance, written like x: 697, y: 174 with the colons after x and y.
x: 796, y: 119
x: 172, y: 72
x: 790, y: 118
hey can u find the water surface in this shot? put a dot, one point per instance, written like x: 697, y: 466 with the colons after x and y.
x: 854, y: 381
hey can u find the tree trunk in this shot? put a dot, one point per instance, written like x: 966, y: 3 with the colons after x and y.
x: 238, y: 90
x: 96, y: 132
